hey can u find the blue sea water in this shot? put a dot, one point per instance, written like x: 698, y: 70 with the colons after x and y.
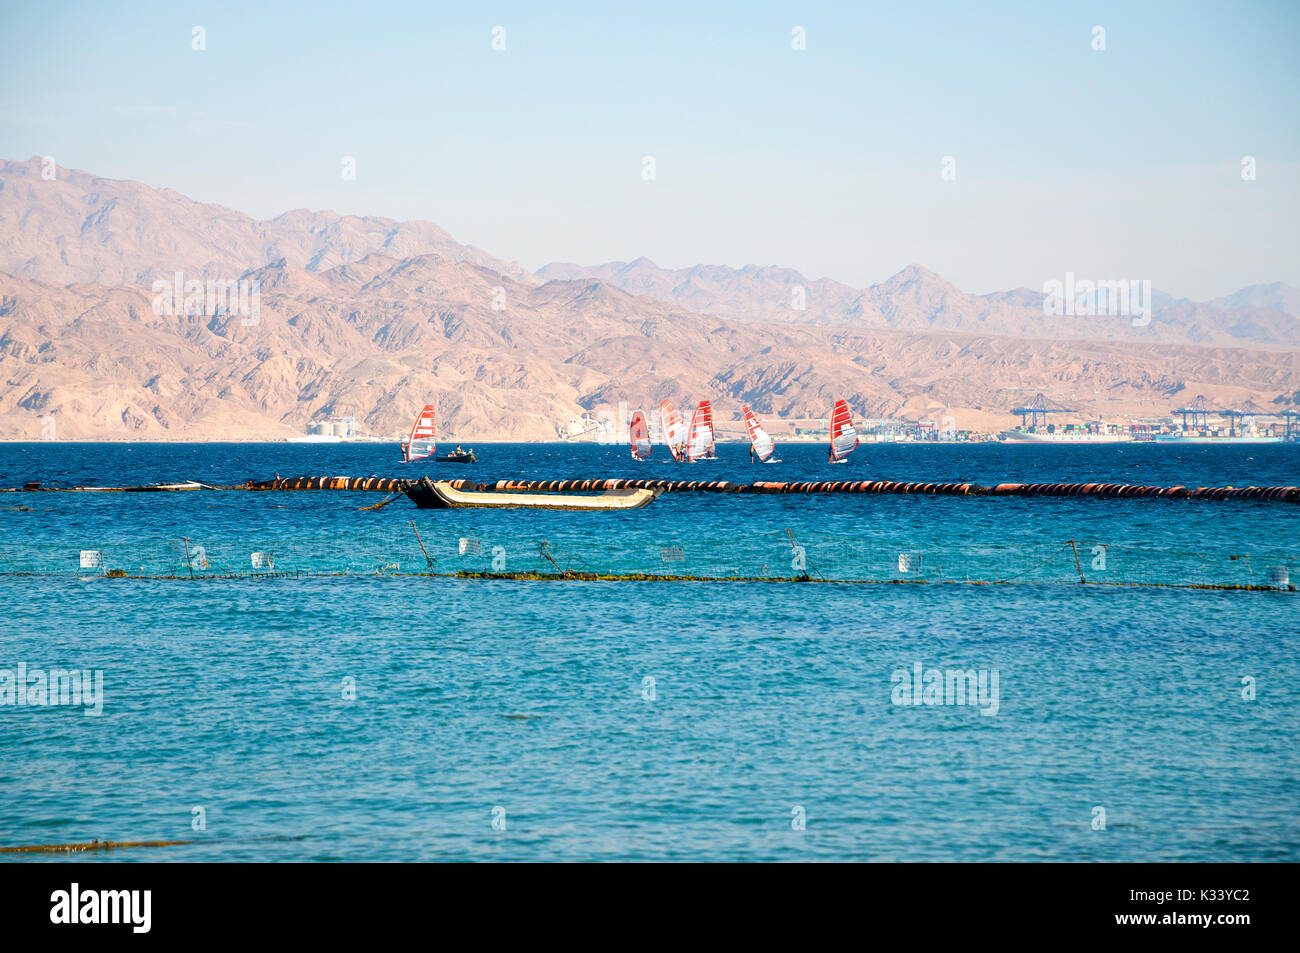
x: 653, y: 720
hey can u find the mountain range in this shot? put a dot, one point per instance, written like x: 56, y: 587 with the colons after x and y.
x: 373, y: 317
x: 918, y: 299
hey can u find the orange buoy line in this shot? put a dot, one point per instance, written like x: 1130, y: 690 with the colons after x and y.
x: 1105, y: 491
x: 1288, y: 494
x: 372, y: 483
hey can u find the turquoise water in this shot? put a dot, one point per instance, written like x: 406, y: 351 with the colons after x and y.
x: 618, y: 720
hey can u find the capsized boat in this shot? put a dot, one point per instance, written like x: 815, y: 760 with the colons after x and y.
x: 640, y: 436
x: 673, y: 429
x: 439, y: 494
x: 700, y: 445
x: 421, y: 443
x: 760, y: 443
x: 844, y: 439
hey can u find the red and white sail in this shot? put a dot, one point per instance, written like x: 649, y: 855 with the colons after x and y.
x: 763, y: 444
x: 844, y: 439
x: 421, y: 444
x: 700, y: 444
x: 640, y: 436
x: 671, y: 426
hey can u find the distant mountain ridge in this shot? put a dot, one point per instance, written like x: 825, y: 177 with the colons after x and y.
x: 1276, y: 296
x: 79, y: 228
x: 918, y: 299
x: 372, y: 318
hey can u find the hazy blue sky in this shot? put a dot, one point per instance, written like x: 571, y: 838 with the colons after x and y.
x: 1117, y: 164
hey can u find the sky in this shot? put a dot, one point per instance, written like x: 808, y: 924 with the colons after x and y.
x: 1117, y: 163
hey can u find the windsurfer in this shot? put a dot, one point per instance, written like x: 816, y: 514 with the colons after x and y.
x: 420, y: 443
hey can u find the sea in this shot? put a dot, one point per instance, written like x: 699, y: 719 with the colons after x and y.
x: 292, y: 676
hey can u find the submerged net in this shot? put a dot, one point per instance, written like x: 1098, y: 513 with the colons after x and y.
x: 408, y: 549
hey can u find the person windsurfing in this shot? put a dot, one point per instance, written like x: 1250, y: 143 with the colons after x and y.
x: 420, y: 444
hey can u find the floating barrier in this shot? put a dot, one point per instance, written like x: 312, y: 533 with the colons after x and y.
x: 91, y: 845
x: 1289, y: 494
x: 1103, y: 491
x: 370, y: 483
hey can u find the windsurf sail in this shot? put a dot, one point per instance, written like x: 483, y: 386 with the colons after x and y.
x: 700, y: 444
x: 672, y: 427
x: 763, y: 445
x: 420, y: 444
x: 640, y: 434
x: 844, y: 439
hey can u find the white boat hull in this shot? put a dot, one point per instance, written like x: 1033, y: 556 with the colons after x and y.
x: 439, y: 494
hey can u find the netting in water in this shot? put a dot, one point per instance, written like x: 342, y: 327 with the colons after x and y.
x: 777, y: 556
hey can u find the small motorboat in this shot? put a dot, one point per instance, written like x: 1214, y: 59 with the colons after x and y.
x: 458, y: 456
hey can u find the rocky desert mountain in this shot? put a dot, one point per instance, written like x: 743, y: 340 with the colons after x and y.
x: 372, y: 318
x: 1275, y: 296
x: 79, y: 228
x: 918, y: 299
